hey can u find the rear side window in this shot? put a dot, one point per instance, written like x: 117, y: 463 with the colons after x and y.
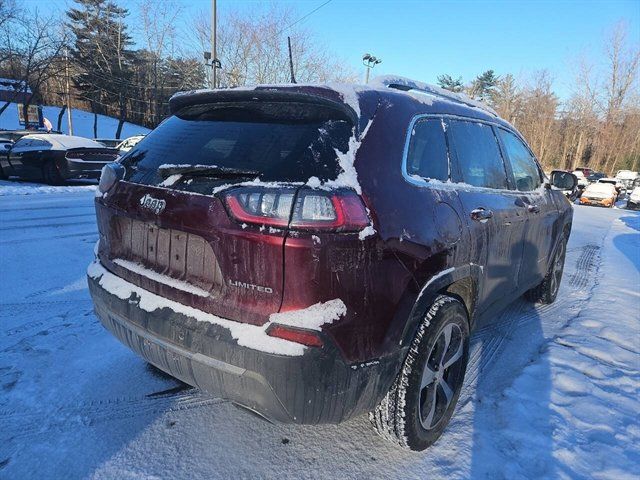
x: 274, y: 143
x: 523, y: 165
x: 478, y: 155
x: 427, y: 155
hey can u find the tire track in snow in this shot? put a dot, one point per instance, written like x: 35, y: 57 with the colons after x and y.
x: 48, y: 237
x: 6, y: 221
x: 584, y: 266
x: 487, y: 342
x: 24, y: 423
x: 48, y: 225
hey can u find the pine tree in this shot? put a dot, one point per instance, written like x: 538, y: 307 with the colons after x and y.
x: 449, y: 83
x: 101, y: 54
x: 484, y: 86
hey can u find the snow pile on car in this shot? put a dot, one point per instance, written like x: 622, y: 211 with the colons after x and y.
x: 247, y: 335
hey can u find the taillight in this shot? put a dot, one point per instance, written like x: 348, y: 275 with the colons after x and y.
x: 305, y: 337
x: 341, y: 210
x: 111, y: 173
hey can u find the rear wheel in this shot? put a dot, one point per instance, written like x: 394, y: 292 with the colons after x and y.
x: 3, y: 176
x: 419, y: 405
x: 547, y: 291
x: 51, y: 174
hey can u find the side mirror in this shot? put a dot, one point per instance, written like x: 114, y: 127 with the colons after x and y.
x: 563, y: 180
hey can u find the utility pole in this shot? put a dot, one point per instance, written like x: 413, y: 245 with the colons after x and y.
x: 369, y: 61
x: 66, y: 73
x: 214, y: 54
x: 293, y: 78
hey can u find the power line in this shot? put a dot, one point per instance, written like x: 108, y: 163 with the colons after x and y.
x: 304, y: 17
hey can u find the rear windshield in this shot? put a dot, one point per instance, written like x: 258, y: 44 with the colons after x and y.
x: 274, y: 142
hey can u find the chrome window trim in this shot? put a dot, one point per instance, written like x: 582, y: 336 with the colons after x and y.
x: 449, y: 184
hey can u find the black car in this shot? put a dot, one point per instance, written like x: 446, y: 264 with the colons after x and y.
x: 595, y: 176
x: 55, y: 158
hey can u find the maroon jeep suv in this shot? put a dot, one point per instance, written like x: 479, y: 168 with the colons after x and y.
x: 314, y: 253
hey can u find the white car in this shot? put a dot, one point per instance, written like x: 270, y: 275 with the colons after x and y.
x: 633, y: 202
x: 627, y: 177
x: 129, y: 143
x: 602, y: 194
x: 582, y: 180
x: 617, y: 183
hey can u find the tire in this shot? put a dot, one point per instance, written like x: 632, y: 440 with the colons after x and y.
x: 51, y: 174
x: 547, y: 291
x: 405, y: 415
x: 3, y: 175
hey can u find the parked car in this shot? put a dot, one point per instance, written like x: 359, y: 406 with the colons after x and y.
x: 633, y: 202
x: 129, y: 143
x: 627, y: 177
x: 586, y: 171
x: 595, y: 176
x: 600, y: 194
x: 5, y: 145
x: 55, y: 158
x: 582, y: 179
x: 315, y: 253
x: 619, y: 186
x: 109, y: 142
x: 15, y: 135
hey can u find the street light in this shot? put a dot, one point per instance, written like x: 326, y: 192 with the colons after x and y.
x: 370, y: 61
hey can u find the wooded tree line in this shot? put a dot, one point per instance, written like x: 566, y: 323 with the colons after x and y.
x: 92, y: 46
x: 598, y: 127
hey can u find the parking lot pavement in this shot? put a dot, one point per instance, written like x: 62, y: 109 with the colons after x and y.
x: 551, y: 391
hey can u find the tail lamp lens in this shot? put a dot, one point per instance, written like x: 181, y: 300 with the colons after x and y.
x: 111, y: 173
x: 313, y: 209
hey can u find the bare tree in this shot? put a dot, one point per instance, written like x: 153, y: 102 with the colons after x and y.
x: 30, y: 45
x: 252, y: 48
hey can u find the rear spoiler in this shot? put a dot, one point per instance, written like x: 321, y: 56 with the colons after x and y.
x: 321, y: 96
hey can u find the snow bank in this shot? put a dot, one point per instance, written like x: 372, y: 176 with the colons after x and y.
x: 247, y: 335
x: 24, y: 188
x: 82, y: 123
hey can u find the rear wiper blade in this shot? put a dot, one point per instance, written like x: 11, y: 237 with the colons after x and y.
x: 205, y: 171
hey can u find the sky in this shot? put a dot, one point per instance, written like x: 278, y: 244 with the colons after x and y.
x: 423, y: 39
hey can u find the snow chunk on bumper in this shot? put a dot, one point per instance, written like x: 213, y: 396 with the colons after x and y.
x: 313, y: 317
x: 247, y: 335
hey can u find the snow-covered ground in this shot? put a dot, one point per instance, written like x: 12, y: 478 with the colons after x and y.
x: 551, y: 391
x: 82, y: 123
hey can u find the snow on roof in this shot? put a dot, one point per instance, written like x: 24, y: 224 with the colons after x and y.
x: 61, y: 142
x: 385, y: 81
x: 602, y: 188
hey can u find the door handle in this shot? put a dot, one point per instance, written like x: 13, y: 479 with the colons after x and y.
x: 481, y: 214
x: 533, y: 208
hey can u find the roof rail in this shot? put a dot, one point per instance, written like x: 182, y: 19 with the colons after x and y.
x: 406, y: 84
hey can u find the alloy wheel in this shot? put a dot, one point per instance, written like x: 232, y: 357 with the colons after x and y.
x: 442, y: 375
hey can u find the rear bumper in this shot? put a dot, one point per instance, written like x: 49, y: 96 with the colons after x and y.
x: 317, y: 386
x: 81, y: 169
